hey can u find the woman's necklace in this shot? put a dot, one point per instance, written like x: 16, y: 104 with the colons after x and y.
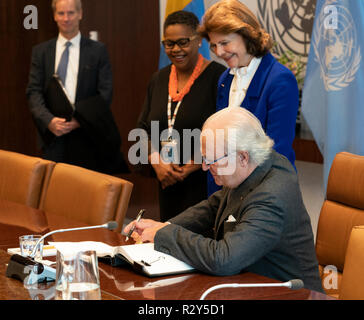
x: 173, y: 81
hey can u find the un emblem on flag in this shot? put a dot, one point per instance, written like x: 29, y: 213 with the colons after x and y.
x: 336, y: 48
x: 289, y: 23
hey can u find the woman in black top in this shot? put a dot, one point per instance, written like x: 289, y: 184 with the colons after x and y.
x: 180, y: 97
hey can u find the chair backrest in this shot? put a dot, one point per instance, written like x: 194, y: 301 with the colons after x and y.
x: 352, y: 284
x: 87, y: 196
x: 22, y: 177
x: 342, y: 210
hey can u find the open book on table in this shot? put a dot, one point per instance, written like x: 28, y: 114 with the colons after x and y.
x: 142, y: 257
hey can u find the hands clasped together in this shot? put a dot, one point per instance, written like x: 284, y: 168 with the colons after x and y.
x: 59, y: 126
x: 169, y: 173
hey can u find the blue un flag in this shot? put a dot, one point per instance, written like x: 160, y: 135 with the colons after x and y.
x: 333, y: 93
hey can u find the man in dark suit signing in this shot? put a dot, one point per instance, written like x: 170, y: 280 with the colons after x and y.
x: 83, y: 67
x: 256, y: 223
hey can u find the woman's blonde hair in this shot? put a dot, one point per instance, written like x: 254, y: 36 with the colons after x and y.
x: 232, y: 16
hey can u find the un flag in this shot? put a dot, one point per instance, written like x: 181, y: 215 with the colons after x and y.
x: 333, y: 94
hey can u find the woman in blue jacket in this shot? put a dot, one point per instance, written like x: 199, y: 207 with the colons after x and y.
x: 254, y: 80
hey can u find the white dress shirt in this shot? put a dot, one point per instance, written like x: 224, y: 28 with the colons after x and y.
x: 240, y: 84
x: 73, y: 63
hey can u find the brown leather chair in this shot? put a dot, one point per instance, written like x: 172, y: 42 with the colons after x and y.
x: 352, y: 284
x: 342, y: 210
x: 88, y: 196
x: 22, y: 177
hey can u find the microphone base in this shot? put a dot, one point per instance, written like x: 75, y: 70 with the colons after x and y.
x: 29, y: 271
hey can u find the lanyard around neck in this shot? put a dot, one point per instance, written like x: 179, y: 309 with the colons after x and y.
x: 172, y: 90
x: 171, y: 120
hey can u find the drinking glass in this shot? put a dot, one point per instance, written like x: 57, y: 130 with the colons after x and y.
x: 27, y: 244
x: 77, y: 276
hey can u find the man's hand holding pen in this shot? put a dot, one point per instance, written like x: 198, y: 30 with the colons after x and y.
x: 131, y: 230
x: 145, y: 229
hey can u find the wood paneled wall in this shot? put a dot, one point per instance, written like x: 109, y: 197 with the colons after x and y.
x: 130, y: 30
x: 17, y: 131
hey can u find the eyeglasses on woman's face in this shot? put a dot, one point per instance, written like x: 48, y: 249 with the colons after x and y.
x: 182, y: 42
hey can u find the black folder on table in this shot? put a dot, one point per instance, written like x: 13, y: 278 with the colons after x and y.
x: 57, y: 100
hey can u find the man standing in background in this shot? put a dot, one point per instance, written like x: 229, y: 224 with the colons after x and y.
x: 90, y: 138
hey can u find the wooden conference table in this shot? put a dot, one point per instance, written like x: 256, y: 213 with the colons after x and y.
x: 121, y: 283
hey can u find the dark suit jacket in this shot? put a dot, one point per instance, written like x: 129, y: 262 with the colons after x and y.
x: 272, y: 235
x: 94, y: 80
x: 94, y: 76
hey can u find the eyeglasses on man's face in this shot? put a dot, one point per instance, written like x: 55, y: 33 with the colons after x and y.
x: 182, y: 43
x: 209, y: 163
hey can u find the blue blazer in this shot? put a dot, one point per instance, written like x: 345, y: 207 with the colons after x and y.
x: 272, y: 97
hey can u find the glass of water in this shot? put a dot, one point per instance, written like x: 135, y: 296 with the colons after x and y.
x: 77, y: 276
x: 27, y: 244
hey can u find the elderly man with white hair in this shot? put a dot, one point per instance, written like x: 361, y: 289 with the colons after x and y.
x: 256, y: 223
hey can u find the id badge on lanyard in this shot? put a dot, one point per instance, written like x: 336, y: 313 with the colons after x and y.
x: 169, y: 152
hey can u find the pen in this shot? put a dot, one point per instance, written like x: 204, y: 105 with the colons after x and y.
x: 139, y: 216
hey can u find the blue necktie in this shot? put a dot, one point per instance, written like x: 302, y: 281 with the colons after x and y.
x: 63, y: 63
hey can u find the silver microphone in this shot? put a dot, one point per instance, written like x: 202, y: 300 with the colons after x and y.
x: 294, y: 284
x: 111, y: 225
x: 29, y: 271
